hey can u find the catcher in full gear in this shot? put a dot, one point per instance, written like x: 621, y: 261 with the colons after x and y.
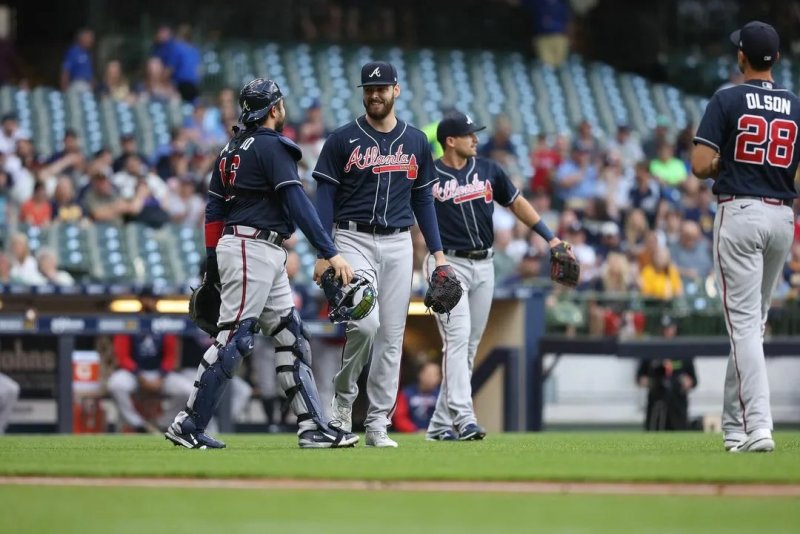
x: 255, y: 199
x: 465, y: 193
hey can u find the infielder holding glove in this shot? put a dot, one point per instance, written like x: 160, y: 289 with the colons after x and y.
x: 464, y: 195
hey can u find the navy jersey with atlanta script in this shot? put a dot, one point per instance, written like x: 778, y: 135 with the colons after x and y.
x: 375, y: 172
x: 465, y: 202
x: 247, y: 193
x: 754, y: 127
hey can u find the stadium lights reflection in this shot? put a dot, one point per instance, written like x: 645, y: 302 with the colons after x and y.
x: 417, y: 307
x: 125, y: 306
x: 173, y: 306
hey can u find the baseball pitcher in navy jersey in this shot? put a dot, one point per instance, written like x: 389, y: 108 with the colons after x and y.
x: 255, y: 199
x: 465, y: 191
x: 747, y: 142
x: 374, y: 176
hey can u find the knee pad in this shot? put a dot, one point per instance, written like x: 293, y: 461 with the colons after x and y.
x: 211, y: 385
x: 293, y: 360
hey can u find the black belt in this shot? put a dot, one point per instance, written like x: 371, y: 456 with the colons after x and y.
x: 766, y: 200
x: 254, y: 233
x: 471, y: 254
x: 369, y: 228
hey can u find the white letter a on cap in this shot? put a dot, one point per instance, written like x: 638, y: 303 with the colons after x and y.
x: 376, y: 72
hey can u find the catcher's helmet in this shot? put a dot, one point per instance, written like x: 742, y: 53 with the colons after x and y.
x: 257, y: 98
x: 351, y: 302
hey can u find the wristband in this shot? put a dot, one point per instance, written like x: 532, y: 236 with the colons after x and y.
x: 542, y: 229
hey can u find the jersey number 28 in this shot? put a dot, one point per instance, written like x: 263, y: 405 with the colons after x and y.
x: 228, y: 178
x: 779, y: 134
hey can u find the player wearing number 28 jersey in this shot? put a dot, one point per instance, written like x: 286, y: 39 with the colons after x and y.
x: 747, y: 142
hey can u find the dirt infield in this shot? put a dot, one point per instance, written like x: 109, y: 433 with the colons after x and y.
x: 597, y: 488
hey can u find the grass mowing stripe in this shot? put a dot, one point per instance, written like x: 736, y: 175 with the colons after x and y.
x: 137, y: 510
x: 593, y: 456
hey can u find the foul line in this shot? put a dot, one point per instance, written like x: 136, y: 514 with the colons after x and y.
x: 592, y: 488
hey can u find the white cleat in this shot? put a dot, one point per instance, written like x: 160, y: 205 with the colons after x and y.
x: 379, y: 439
x: 733, y: 439
x: 343, y: 413
x: 757, y: 441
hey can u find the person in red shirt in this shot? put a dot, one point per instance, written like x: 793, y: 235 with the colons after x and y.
x: 37, y: 210
x: 416, y: 402
x: 545, y: 159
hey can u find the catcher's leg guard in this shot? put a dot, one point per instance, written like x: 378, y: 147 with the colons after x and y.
x: 293, y: 359
x: 211, y: 384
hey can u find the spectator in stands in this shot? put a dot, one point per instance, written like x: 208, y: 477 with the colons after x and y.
x: 645, y: 195
x: 610, y: 241
x: 135, y: 172
x: 102, y: 203
x: 416, y: 402
x: 37, y: 210
x: 684, y: 142
x: 500, y: 147
x: 585, y: 253
x: 735, y: 77
x: 661, y: 280
x: 586, y: 141
x: 545, y: 159
x: 617, y: 279
x: 115, y: 85
x: 628, y: 146
x: 185, y: 206
x: 156, y: 85
x: 69, y: 160
x: 65, y: 207
x: 146, y: 362
x: 636, y: 228
x: 668, y: 383
x: 10, y: 133
x: 550, y: 21
x: 185, y: 69
x: 102, y: 161
x: 614, y: 184
x: 649, y: 248
x: 164, y: 47
x: 659, y: 137
x: 24, y: 269
x: 311, y: 133
x: 22, y: 178
x: 704, y: 212
x: 529, y: 270
x: 129, y: 147
x: 48, y: 267
x: 576, y: 179
x: 672, y: 226
x: 5, y: 209
x: 668, y: 168
x: 76, y: 69
x: 692, y: 253
x: 174, y: 162
x: 9, y: 394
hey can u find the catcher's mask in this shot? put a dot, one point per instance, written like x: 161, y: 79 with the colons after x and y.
x: 351, y: 302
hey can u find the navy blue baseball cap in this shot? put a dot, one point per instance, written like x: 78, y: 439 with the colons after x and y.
x: 758, y: 41
x: 378, y: 73
x: 456, y: 124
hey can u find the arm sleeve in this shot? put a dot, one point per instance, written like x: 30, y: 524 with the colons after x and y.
x: 326, y: 198
x: 505, y: 192
x: 330, y: 163
x: 215, y: 210
x: 122, y: 349
x: 425, y: 212
x: 305, y: 216
x: 711, y: 131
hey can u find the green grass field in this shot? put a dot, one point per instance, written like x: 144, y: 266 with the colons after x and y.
x: 595, y: 456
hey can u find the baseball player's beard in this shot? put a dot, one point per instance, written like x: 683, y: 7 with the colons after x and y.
x: 279, y: 124
x: 383, y: 112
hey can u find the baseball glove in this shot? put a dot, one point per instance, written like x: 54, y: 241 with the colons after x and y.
x: 564, y: 267
x: 204, y: 307
x: 444, y: 290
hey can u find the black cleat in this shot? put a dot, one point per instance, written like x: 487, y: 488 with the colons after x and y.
x: 472, y: 432
x: 332, y: 437
x: 186, y: 435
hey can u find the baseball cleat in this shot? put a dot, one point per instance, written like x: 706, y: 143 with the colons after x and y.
x: 732, y: 440
x: 472, y: 432
x: 331, y: 438
x: 379, y: 439
x: 191, y: 439
x: 343, y: 413
x: 757, y: 441
x: 445, y: 435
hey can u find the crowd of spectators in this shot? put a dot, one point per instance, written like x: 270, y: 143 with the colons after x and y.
x: 637, y: 218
